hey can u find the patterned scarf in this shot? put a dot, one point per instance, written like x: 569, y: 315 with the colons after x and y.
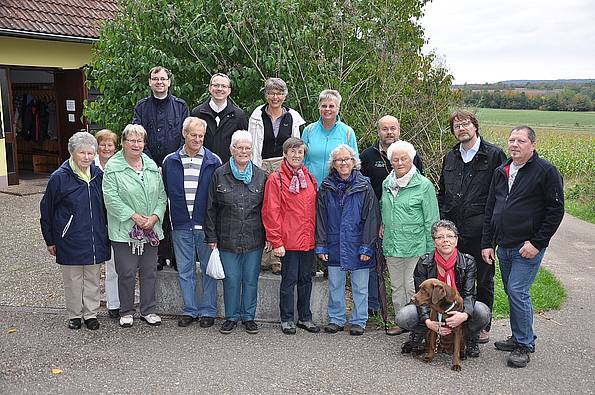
x: 244, y: 176
x: 140, y: 237
x: 448, y: 266
x: 298, y: 181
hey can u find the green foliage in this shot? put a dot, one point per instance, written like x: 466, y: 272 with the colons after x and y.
x: 368, y: 50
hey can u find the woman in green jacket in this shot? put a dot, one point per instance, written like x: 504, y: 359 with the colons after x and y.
x: 135, y: 201
x: 409, y: 209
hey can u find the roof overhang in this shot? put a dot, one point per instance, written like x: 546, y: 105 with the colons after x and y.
x: 46, y: 36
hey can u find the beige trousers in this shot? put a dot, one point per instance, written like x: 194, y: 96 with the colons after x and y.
x: 81, y: 290
x: 401, y: 279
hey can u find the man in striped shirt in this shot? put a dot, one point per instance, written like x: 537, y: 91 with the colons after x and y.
x: 187, y: 174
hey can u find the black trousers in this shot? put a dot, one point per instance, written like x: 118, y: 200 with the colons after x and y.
x: 165, y: 250
x: 485, y: 272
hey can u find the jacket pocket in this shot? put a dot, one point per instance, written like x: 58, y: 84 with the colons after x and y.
x: 65, y: 230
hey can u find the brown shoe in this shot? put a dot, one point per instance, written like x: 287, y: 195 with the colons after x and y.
x: 395, y: 330
x: 484, y: 337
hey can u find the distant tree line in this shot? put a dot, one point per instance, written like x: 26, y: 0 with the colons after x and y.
x: 555, y: 96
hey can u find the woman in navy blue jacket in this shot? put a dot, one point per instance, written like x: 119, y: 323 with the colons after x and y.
x: 74, y: 227
x: 347, y: 224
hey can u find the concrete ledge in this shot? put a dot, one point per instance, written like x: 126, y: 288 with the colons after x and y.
x: 169, y: 297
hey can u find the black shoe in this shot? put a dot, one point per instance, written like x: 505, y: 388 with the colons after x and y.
x: 507, y: 345
x: 228, y: 326
x: 74, y: 323
x: 160, y: 263
x: 333, y: 328
x: 206, y: 322
x: 472, y: 349
x: 173, y: 263
x: 185, y: 321
x: 413, y: 344
x: 251, y: 327
x: 114, y: 313
x: 309, y: 326
x: 92, y: 324
x: 356, y: 330
x: 519, y: 357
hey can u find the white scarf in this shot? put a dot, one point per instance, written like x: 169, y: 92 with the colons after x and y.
x: 394, y: 183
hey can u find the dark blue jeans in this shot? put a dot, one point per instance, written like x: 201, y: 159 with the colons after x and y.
x: 296, y: 269
x: 518, y: 274
x: 373, y: 302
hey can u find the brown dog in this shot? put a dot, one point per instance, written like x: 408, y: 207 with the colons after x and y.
x: 442, y: 298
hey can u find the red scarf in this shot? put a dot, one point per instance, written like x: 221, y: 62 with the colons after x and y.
x: 448, y: 266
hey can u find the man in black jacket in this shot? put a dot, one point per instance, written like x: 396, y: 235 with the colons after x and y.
x: 162, y: 115
x: 524, y: 209
x: 464, y: 185
x: 223, y: 116
x: 376, y: 166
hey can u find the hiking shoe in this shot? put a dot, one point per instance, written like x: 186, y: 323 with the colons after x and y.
x: 126, y: 321
x: 228, y: 326
x: 206, y: 322
x: 472, y: 349
x: 484, y: 337
x: 92, y: 324
x: 395, y: 330
x: 251, y: 327
x: 519, y: 357
x: 309, y: 326
x: 333, y: 328
x: 113, y: 313
x: 151, y: 319
x: 288, y: 327
x: 507, y: 345
x: 74, y: 323
x: 185, y: 321
x: 356, y: 330
x: 413, y: 344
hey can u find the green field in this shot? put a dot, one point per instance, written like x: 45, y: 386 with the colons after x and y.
x: 562, y: 120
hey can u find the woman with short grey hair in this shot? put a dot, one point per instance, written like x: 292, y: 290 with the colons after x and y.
x: 74, y: 228
x: 233, y: 224
x: 271, y: 124
x: 326, y: 134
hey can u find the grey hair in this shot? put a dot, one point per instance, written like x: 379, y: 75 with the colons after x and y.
x: 446, y: 224
x: 331, y: 157
x: 133, y: 129
x: 190, y: 121
x: 80, y: 139
x: 294, y: 142
x: 401, y: 144
x: 220, y: 75
x: 530, y: 132
x: 330, y: 94
x: 240, y: 135
x: 275, y: 84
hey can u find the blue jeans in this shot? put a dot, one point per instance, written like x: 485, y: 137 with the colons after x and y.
x: 336, y: 296
x: 240, y: 286
x: 296, y: 269
x: 188, y: 246
x: 373, y: 302
x: 518, y: 274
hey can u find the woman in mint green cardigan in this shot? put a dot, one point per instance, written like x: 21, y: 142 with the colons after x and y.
x: 409, y: 208
x: 135, y: 201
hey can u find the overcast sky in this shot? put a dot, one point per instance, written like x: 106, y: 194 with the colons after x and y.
x: 495, y: 40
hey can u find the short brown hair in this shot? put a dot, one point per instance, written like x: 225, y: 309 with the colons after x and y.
x: 157, y: 69
x: 106, y: 134
x: 462, y: 115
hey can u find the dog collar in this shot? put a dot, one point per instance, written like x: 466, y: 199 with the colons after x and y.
x: 452, y: 306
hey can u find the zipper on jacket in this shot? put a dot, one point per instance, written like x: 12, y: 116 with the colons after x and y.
x: 67, y: 225
x: 91, y: 213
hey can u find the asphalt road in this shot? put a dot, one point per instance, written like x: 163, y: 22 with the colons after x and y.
x: 34, y: 340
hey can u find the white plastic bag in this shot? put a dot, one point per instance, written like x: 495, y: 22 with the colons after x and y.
x: 214, y: 267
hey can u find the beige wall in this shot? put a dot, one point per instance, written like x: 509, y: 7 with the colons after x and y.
x: 43, y: 53
x: 3, y: 168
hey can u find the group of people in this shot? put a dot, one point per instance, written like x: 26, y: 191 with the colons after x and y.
x: 208, y: 179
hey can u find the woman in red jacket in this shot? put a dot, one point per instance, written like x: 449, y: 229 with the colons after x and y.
x: 289, y: 218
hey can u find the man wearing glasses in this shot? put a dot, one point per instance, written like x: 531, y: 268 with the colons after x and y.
x: 162, y: 115
x: 464, y: 186
x: 222, y: 115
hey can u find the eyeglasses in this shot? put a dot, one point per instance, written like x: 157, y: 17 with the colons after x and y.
x: 342, y: 161
x: 220, y: 86
x: 243, y: 149
x: 157, y: 79
x: 460, y: 125
x: 445, y: 237
x: 135, y: 141
x: 275, y: 94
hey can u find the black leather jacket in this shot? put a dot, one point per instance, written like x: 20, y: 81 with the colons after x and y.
x: 233, y: 218
x: 465, y: 275
x: 466, y: 206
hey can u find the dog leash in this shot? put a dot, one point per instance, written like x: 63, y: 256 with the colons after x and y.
x: 440, y: 315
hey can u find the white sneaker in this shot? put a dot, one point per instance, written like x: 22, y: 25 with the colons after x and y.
x: 126, y: 321
x: 152, y: 319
